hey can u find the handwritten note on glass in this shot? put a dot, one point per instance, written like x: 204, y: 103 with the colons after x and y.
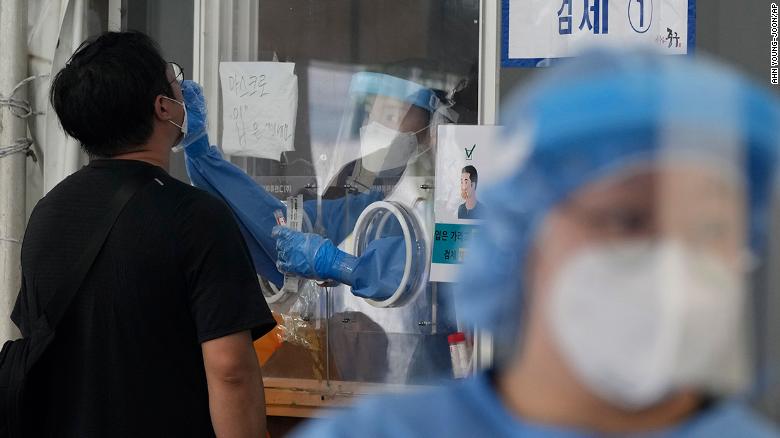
x: 259, y: 107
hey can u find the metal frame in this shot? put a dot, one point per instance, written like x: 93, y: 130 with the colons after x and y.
x: 306, y: 398
x: 115, y: 19
x: 208, y: 48
x: 13, y: 168
x: 489, y: 76
x: 489, y: 45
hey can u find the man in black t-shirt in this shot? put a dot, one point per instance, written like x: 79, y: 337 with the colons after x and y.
x: 158, y: 340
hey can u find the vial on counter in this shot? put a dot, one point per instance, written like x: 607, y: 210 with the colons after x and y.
x: 459, y: 354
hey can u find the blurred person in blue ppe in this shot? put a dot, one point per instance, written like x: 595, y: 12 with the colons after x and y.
x: 385, y: 132
x: 613, y: 267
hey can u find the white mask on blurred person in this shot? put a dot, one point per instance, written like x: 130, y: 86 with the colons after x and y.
x: 637, y: 321
x: 383, y: 148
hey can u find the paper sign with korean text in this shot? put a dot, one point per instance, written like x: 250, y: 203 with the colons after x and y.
x: 259, y: 108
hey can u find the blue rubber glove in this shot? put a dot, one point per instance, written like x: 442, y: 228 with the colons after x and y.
x: 196, y: 113
x: 311, y: 256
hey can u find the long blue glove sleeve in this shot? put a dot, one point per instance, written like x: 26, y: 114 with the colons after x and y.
x: 378, y: 272
x: 375, y: 274
x: 252, y: 205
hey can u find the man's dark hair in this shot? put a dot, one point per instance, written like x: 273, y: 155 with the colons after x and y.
x: 472, y: 171
x: 104, y: 96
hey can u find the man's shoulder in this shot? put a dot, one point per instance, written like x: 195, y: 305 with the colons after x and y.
x: 198, y: 212
x: 90, y: 182
x: 74, y: 183
x: 186, y: 194
x: 166, y: 192
x: 88, y: 188
x: 199, y: 202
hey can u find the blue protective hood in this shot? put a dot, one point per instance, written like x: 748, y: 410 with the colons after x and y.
x: 397, y: 88
x: 591, y: 117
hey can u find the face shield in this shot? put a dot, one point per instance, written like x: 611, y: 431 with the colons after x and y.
x: 631, y: 240
x: 388, y: 123
x: 641, y: 279
x: 384, y: 154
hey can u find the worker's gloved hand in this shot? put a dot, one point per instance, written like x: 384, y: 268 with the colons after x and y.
x: 311, y: 256
x: 196, y: 114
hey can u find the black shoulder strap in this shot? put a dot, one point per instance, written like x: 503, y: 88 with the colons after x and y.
x: 56, y: 308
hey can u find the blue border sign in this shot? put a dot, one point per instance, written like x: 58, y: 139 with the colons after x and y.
x: 506, y: 61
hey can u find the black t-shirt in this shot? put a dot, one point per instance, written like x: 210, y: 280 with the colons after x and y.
x: 174, y: 272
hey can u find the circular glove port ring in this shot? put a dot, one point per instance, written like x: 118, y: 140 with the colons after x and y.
x: 371, y: 225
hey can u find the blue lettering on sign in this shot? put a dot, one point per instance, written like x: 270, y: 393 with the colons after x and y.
x: 574, y: 18
x: 565, y: 19
x: 600, y: 22
x: 640, y: 15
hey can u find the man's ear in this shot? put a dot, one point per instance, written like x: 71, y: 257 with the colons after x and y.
x: 162, y: 108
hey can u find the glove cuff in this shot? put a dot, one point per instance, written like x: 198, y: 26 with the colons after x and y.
x: 343, y: 268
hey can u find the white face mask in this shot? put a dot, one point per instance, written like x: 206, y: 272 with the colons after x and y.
x: 638, y: 321
x: 383, y: 148
x: 183, y: 127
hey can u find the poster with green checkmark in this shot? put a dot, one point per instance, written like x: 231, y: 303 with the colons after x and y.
x: 465, y: 159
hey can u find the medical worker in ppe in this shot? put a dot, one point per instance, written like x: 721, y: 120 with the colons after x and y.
x: 389, y: 124
x: 615, y: 262
x: 386, y: 126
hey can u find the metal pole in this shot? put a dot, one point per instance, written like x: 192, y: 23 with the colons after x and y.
x: 489, y: 61
x: 114, y: 15
x: 489, y: 74
x: 13, y: 46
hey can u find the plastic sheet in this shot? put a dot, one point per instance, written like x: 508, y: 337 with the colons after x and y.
x: 299, y: 323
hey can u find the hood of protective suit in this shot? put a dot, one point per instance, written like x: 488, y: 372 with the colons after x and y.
x: 591, y: 117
